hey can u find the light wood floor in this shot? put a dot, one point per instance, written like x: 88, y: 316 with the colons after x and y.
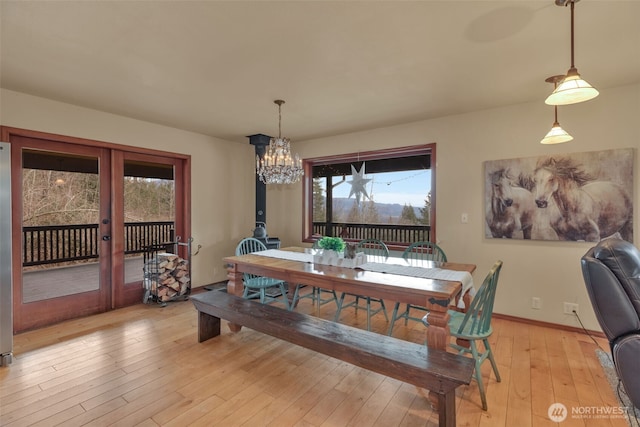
x: 143, y: 366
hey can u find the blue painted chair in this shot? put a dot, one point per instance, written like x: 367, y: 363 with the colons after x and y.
x: 426, y: 251
x: 374, y: 249
x: 475, y: 325
x: 256, y: 286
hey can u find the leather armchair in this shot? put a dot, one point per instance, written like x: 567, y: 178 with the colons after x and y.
x: 611, y: 273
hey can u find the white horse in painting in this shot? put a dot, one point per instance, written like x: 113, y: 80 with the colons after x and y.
x: 589, y: 210
x: 512, y: 207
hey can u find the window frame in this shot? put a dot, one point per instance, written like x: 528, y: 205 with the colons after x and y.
x: 397, y: 152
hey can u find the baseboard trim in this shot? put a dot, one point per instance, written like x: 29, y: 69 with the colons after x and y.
x: 568, y: 328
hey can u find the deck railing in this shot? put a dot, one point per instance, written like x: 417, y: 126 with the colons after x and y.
x: 391, y: 234
x: 63, y: 243
x: 49, y: 244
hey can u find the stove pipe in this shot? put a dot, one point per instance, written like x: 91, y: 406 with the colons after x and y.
x: 260, y: 142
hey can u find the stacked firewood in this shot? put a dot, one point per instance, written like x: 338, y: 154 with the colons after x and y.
x: 170, y: 277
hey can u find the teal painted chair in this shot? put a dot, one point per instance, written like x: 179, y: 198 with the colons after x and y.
x: 316, y: 294
x: 475, y: 325
x: 425, y: 251
x: 256, y: 286
x: 374, y: 249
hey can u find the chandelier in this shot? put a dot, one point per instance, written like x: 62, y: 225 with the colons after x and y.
x: 277, y: 165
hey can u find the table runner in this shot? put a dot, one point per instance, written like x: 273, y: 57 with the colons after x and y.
x: 463, y: 277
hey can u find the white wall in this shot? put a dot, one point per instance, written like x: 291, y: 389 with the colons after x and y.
x: 222, y: 171
x: 223, y: 183
x: 546, y: 269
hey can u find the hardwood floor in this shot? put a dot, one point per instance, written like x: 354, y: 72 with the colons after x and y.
x: 143, y: 366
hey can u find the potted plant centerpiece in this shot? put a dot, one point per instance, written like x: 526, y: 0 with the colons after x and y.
x: 332, y: 252
x: 332, y: 244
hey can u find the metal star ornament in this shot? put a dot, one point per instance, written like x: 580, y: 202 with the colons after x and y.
x: 358, y: 182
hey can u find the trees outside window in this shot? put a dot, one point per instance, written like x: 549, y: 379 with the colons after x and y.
x: 387, y: 193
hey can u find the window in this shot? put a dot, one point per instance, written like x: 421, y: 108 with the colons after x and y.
x: 387, y: 195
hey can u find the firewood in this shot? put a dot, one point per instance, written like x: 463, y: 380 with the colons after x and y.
x: 168, y: 281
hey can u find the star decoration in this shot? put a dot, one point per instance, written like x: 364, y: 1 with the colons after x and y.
x: 358, y: 182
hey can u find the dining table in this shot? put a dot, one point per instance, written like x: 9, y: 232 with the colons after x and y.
x: 437, y: 286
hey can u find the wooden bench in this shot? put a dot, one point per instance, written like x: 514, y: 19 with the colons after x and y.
x: 435, y: 370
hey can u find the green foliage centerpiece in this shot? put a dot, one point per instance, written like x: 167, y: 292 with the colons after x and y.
x: 332, y: 244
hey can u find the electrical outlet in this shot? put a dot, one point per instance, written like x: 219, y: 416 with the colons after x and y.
x: 536, y: 303
x: 570, y: 307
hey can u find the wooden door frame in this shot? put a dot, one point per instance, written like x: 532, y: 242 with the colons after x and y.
x: 130, y: 293
x: 114, y: 155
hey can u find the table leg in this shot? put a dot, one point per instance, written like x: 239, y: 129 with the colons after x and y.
x: 234, y: 287
x: 438, y: 331
x: 438, y: 337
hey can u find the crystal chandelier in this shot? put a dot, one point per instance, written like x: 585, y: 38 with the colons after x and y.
x: 277, y: 165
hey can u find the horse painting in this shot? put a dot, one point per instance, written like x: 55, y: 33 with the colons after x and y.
x: 512, y: 207
x: 589, y: 210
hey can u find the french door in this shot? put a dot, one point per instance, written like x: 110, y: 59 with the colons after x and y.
x: 62, y: 263
x: 72, y: 252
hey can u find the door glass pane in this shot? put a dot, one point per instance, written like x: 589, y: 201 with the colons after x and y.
x: 60, y: 212
x: 149, y: 212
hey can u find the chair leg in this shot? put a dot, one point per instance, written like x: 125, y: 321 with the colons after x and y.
x: 494, y: 365
x: 394, y: 316
x: 406, y: 315
x: 368, y: 312
x: 283, y: 291
x: 294, y: 300
x: 478, y: 374
x: 339, y: 302
x: 384, y: 310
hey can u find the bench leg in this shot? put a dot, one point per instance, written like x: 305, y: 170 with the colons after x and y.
x: 447, y: 409
x: 208, y: 326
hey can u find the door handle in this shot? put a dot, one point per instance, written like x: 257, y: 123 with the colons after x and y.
x: 106, y: 238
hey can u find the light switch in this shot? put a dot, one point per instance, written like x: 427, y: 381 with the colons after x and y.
x: 464, y: 218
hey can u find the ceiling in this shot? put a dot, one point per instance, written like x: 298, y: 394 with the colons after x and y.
x: 215, y: 67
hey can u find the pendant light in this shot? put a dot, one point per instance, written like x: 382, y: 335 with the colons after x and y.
x: 573, y: 88
x: 556, y: 135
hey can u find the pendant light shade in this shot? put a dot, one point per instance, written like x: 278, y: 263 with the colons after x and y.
x: 556, y: 135
x: 573, y: 88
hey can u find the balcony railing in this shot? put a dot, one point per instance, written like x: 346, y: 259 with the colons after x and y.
x: 63, y: 243
x: 391, y: 234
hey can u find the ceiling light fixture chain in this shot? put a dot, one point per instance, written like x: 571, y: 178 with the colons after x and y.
x: 277, y: 165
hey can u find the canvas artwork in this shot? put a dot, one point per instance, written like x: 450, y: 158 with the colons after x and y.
x: 565, y: 197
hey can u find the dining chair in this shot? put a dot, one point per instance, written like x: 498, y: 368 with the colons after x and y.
x: 316, y: 293
x: 256, y: 286
x: 374, y: 249
x: 425, y: 251
x: 475, y: 325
